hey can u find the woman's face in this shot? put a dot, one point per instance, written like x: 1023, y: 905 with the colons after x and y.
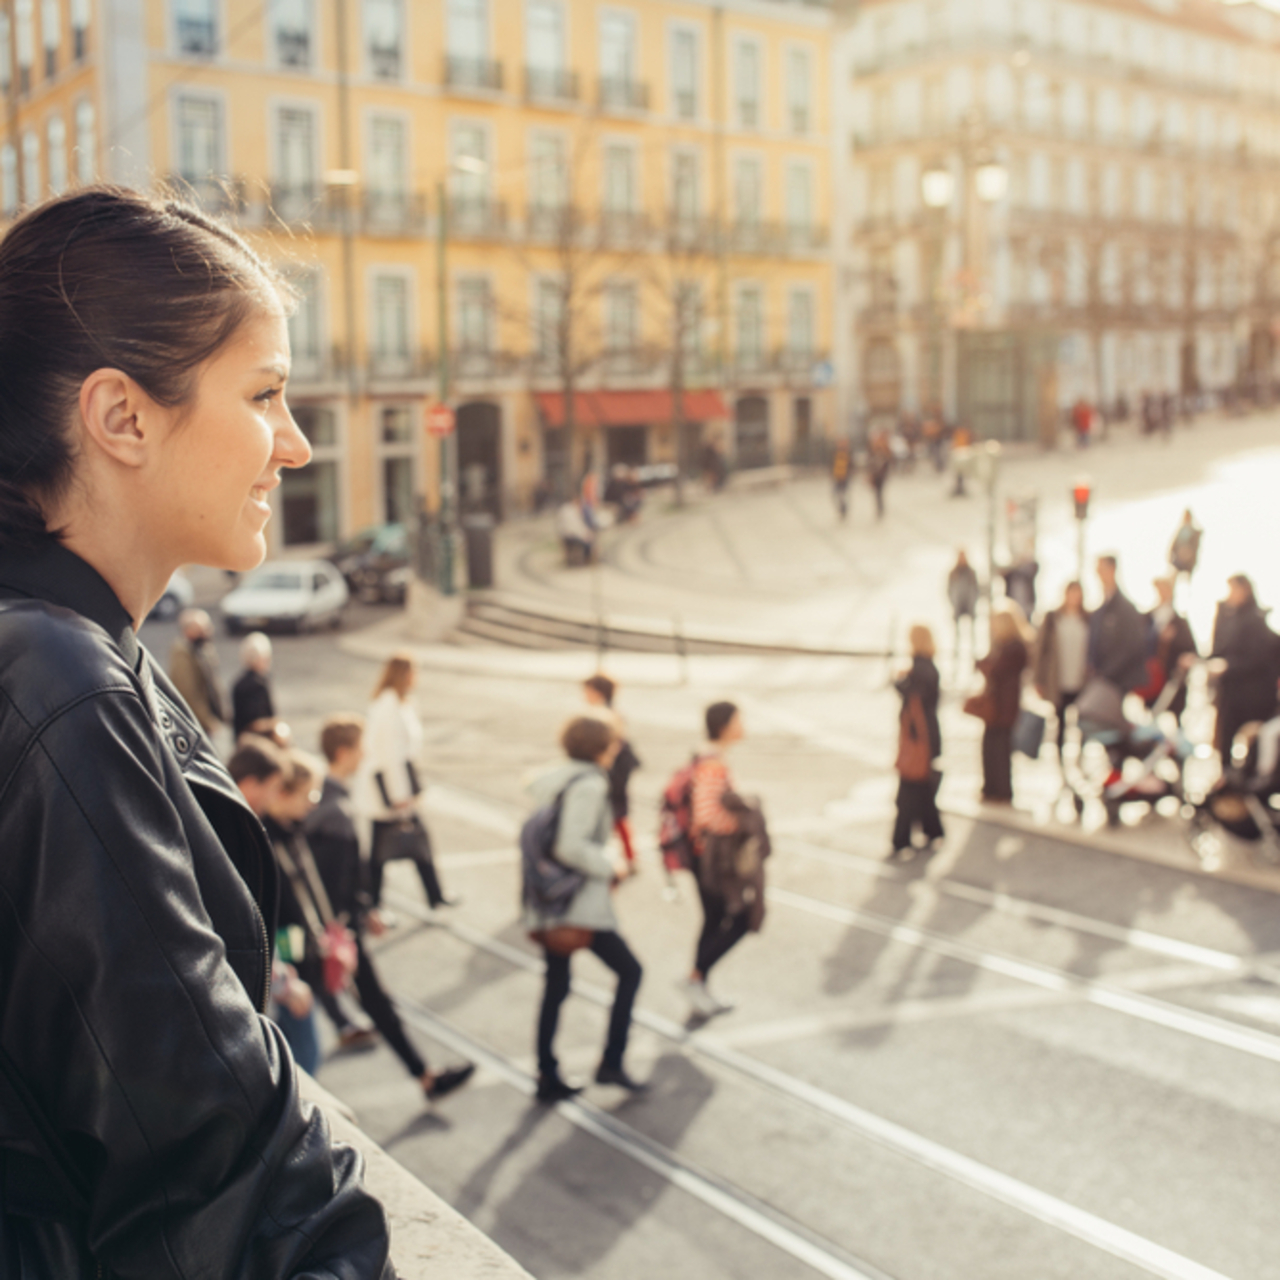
x: 223, y: 453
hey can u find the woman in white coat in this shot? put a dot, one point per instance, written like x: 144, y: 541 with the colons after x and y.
x: 390, y: 784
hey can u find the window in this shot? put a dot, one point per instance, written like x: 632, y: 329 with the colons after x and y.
x: 24, y: 17
x: 474, y: 309
x: 748, y: 191
x: 199, y: 141
x: 295, y: 155
x: 56, y: 141
x: 684, y: 73
x: 309, y: 496
x: 292, y: 23
x: 799, y: 77
x: 387, y: 168
x: 468, y: 30
x: 469, y: 174
x: 86, y: 142
x: 80, y: 27
x: 619, y: 178
x: 800, y: 324
x: 747, y: 78
x: 799, y: 199
x: 305, y: 335
x: 545, y: 36
x: 8, y: 180
x: 196, y: 26
x: 684, y: 186
x: 617, y: 58
x: 32, y: 187
x: 384, y: 37
x: 396, y: 436
x: 547, y: 172
x: 391, y: 322
x: 6, y: 52
x: 548, y: 313
x: 622, y: 319
x: 51, y: 30
x: 750, y: 326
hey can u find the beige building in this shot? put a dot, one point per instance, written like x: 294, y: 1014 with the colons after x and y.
x: 1045, y: 199
x: 622, y: 181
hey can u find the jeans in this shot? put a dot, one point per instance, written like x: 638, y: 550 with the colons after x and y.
x: 300, y: 1036
x: 423, y: 860
x: 721, y: 932
x: 917, y: 804
x: 615, y: 953
x: 377, y: 1004
x: 1064, y: 701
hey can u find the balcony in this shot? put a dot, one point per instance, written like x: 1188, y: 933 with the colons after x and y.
x: 197, y: 37
x: 220, y: 196
x: 613, y: 94
x: 804, y: 237
x: 484, y: 364
x: 316, y: 367
x: 472, y: 75
x: 304, y: 202
x: 750, y: 361
x: 293, y: 48
x: 401, y: 366
x: 686, y: 233
x: 552, y: 223
x: 623, y: 228
x: 628, y: 362
x: 477, y: 218
x: 753, y: 236
x: 394, y: 213
x: 385, y: 62
x: 550, y: 84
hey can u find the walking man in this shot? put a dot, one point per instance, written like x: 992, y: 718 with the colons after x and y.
x: 963, y: 593
x: 1117, y: 634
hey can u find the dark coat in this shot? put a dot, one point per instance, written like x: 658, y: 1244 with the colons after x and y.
x: 135, y: 962
x: 922, y: 681
x: 1168, y: 648
x: 1118, y: 643
x: 1247, y: 688
x: 331, y: 832
x: 1003, y: 668
x: 250, y: 700
x: 625, y: 764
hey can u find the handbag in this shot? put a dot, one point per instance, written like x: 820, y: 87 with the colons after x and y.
x: 334, y: 942
x: 341, y: 958
x: 1028, y: 733
x: 981, y: 705
x: 404, y: 841
x: 563, y: 939
x: 914, y: 754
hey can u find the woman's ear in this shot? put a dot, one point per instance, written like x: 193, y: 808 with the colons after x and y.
x: 118, y: 416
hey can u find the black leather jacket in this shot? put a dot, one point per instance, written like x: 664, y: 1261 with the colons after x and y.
x: 134, y: 970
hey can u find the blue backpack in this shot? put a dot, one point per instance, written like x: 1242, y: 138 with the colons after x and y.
x: 548, y: 886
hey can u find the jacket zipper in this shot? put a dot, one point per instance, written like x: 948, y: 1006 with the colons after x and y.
x: 266, y: 961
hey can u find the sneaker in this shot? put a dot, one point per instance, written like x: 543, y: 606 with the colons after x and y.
x: 447, y: 1081
x: 357, y: 1038
x: 699, y: 997
x: 618, y: 1076
x: 554, y: 1089
x: 722, y: 1006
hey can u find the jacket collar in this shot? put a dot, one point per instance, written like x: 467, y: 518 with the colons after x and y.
x: 51, y: 572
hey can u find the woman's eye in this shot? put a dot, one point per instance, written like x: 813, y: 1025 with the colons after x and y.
x: 267, y: 396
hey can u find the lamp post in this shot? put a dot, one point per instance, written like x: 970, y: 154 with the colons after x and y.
x: 937, y: 189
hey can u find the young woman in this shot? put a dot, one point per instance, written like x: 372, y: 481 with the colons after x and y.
x: 390, y: 782
x: 151, y: 1118
x: 582, y: 837
x: 919, y: 745
x: 1002, y: 698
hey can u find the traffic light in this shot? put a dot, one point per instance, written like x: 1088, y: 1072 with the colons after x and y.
x: 1080, y: 492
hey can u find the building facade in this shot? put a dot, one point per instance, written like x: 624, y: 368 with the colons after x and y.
x: 612, y: 218
x: 1048, y: 199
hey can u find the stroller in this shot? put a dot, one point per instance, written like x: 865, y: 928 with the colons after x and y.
x: 1244, y: 804
x: 1160, y: 756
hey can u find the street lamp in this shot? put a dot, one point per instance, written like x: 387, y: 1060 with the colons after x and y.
x: 991, y: 181
x: 937, y: 187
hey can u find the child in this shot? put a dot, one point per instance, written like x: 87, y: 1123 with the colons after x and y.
x: 599, y: 691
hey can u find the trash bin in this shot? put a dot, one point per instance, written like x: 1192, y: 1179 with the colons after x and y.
x: 478, y: 532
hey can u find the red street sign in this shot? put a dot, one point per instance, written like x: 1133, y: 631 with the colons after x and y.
x: 440, y: 421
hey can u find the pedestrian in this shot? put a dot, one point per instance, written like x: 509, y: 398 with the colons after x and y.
x: 391, y: 786
x: 963, y: 594
x: 153, y: 1124
x: 599, y: 691
x: 878, y: 471
x: 1061, y: 664
x: 841, y: 475
x: 251, y: 700
x: 258, y: 769
x: 193, y: 668
x: 722, y: 825
x: 581, y: 788
x: 1082, y: 421
x: 1117, y: 634
x: 1171, y: 649
x: 1000, y: 701
x: 1184, y: 550
x: 1020, y: 584
x: 919, y: 746
x: 1245, y: 653
x: 330, y: 832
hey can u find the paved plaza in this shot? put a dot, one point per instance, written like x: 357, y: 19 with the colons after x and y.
x: 1033, y: 1056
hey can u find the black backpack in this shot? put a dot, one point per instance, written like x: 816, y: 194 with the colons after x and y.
x: 548, y: 886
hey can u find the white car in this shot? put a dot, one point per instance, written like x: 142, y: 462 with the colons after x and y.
x: 300, y: 594
x: 178, y: 595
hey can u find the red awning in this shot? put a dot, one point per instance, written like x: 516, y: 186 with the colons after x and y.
x: 628, y: 408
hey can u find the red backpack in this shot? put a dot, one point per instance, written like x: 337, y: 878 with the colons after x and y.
x: 675, y: 821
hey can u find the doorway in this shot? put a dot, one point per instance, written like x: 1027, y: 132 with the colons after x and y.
x: 480, y: 459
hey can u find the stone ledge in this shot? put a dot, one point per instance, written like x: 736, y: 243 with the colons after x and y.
x: 428, y: 1237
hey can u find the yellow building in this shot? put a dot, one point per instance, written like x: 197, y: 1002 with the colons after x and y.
x: 637, y: 198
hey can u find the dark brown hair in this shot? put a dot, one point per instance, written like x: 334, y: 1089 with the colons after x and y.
x: 587, y: 738
x: 107, y: 278
x: 602, y: 685
x: 396, y: 675
x: 338, y: 731
x: 256, y: 758
x: 719, y: 716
